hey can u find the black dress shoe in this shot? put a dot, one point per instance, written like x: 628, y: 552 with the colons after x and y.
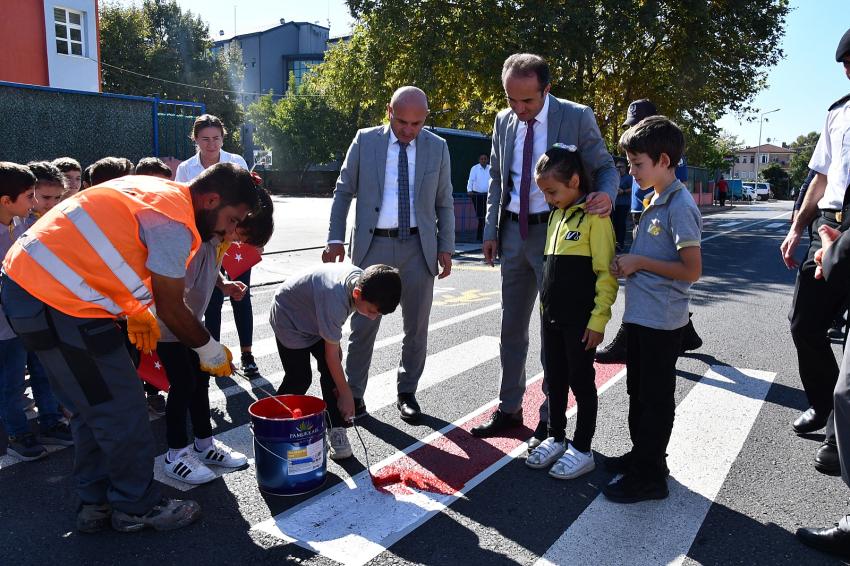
x: 615, y: 352
x: 408, y: 407
x: 632, y: 488
x: 828, y: 539
x: 499, y: 423
x: 359, y: 408
x: 826, y: 460
x: 540, y: 434
x: 808, y: 422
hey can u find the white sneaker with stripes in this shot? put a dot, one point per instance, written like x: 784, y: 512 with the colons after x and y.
x: 188, y: 468
x: 219, y: 454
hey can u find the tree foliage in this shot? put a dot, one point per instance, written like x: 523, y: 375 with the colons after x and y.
x: 798, y: 168
x: 158, y: 39
x: 301, y: 128
x: 778, y: 179
x: 697, y: 60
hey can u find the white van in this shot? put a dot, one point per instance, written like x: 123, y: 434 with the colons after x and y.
x: 762, y: 189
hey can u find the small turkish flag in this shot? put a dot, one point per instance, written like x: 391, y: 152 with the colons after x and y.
x: 239, y: 258
x: 152, y: 371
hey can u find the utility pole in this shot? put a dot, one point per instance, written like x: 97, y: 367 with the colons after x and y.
x: 758, y: 147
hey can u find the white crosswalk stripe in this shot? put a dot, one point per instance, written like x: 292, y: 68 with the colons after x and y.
x: 712, y: 424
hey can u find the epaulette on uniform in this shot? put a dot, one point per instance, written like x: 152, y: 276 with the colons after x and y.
x: 839, y: 102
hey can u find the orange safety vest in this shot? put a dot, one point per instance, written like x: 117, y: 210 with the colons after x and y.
x: 85, y: 257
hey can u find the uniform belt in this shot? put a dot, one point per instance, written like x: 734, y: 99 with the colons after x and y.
x: 539, y: 218
x: 393, y: 232
x: 833, y: 215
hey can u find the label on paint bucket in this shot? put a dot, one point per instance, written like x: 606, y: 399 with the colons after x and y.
x: 306, y: 459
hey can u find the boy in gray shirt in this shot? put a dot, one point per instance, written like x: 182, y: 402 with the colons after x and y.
x: 307, y: 316
x: 665, y: 260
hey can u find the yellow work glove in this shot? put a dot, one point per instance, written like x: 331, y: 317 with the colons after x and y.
x: 143, y: 331
x: 215, y: 359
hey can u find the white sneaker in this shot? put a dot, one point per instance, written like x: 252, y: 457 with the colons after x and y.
x: 340, y: 447
x: 222, y: 455
x: 546, y: 452
x: 187, y: 468
x: 573, y: 464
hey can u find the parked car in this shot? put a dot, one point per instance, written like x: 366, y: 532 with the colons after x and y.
x: 761, y: 190
x: 739, y: 192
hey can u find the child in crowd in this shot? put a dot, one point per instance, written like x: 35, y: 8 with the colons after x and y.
x: 49, y: 188
x: 154, y: 167
x: 189, y: 386
x: 17, y: 198
x: 665, y: 260
x: 71, y: 174
x: 307, y: 316
x: 108, y: 168
x: 575, y: 302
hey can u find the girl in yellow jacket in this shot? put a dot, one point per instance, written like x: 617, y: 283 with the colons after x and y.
x: 578, y: 291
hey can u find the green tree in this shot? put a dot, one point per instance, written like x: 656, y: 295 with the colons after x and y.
x: 778, y: 179
x: 301, y: 128
x: 798, y: 168
x: 695, y: 60
x: 157, y: 49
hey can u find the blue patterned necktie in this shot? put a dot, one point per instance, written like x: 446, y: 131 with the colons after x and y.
x: 403, y: 193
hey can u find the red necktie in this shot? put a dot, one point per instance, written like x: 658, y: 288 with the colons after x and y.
x: 525, y: 180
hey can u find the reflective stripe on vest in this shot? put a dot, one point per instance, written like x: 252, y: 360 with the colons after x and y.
x: 42, y: 255
x: 107, y: 252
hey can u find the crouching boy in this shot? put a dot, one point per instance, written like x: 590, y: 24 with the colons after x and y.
x: 307, y: 317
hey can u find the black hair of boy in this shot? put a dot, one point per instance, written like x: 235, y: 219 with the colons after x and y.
x: 109, y: 168
x: 259, y: 225
x: 233, y: 184
x: 85, y: 178
x: 67, y: 164
x: 653, y: 136
x: 527, y: 65
x: 15, y: 179
x: 46, y: 172
x: 154, y: 167
x: 562, y: 164
x: 381, y: 285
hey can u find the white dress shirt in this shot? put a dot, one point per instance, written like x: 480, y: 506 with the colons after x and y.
x: 479, y: 179
x: 388, y: 217
x: 192, y: 167
x: 832, y: 157
x: 536, y: 200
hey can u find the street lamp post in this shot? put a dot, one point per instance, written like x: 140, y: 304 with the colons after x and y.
x: 758, y: 147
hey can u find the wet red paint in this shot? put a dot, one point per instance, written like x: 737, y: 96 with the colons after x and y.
x: 445, y: 465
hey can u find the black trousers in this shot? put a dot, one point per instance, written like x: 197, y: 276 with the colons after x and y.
x: 479, y: 203
x: 816, y: 304
x: 651, y: 357
x: 188, y: 394
x: 621, y: 213
x: 568, y: 366
x: 722, y: 198
x: 298, y: 375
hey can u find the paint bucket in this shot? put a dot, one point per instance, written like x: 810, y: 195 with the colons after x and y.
x: 289, y: 453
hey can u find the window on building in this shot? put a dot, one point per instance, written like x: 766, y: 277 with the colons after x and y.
x: 752, y: 159
x: 69, y: 31
x: 763, y: 159
x: 299, y: 68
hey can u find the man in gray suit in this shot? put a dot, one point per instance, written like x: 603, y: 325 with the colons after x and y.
x: 517, y: 213
x: 404, y: 218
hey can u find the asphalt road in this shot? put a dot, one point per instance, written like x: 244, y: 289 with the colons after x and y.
x: 741, y: 482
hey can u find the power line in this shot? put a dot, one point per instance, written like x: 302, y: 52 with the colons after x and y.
x: 143, y: 75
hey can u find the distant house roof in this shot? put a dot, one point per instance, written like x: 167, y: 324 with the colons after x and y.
x: 260, y: 31
x: 766, y: 148
x: 340, y: 38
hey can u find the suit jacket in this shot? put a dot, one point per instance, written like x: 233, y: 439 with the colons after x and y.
x: 568, y: 123
x: 362, y: 175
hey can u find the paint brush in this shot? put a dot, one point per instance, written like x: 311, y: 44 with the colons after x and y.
x: 296, y: 413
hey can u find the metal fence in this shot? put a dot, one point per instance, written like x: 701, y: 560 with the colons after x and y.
x: 45, y: 123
